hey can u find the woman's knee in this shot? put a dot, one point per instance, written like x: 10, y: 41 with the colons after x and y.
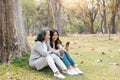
x: 55, y: 57
x: 49, y: 58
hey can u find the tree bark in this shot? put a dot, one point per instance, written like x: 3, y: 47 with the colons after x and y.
x: 48, y: 11
x: 91, y: 27
x: 57, y: 16
x: 104, y: 18
x: 115, y: 7
x: 92, y: 15
x: 9, y: 47
x: 23, y: 42
x: 12, y: 34
x: 113, y: 23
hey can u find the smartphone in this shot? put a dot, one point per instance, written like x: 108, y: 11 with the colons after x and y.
x: 67, y: 44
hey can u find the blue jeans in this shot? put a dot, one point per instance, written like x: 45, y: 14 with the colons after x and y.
x: 67, y: 60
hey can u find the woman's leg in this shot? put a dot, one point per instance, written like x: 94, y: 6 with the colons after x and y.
x: 69, y: 58
x: 45, y: 61
x: 59, y: 62
x: 76, y: 69
x: 66, y: 61
x: 51, y: 63
x: 40, y: 63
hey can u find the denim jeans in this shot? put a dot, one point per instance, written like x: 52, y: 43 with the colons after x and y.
x: 67, y: 60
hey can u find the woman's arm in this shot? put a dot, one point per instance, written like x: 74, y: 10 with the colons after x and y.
x: 38, y: 48
x: 60, y: 47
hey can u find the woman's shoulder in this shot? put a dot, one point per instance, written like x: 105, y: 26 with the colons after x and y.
x: 38, y: 43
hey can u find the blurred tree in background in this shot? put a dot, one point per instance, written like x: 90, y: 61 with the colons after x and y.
x: 73, y: 16
x: 19, y: 20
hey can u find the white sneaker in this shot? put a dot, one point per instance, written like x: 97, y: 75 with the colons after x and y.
x: 78, y: 70
x: 68, y: 72
x: 73, y: 71
x: 60, y: 76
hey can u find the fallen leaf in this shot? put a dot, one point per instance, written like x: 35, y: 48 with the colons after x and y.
x: 109, y: 43
x: 105, y: 74
x: 114, y: 64
x: 76, y: 53
x: 103, y: 53
x: 75, y: 43
x: 99, y: 60
x: 93, y: 49
x: 10, y: 78
x: 82, y: 62
x: 71, y: 47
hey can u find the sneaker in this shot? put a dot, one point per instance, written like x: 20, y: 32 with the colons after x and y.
x: 60, y: 76
x: 78, y: 70
x: 68, y: 72
x: 73, y: 71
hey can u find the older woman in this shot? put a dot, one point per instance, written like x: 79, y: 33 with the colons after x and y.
x: 41, y: 55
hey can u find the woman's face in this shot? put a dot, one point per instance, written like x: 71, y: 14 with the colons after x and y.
x: 55, y: 36
x: 47, y: 36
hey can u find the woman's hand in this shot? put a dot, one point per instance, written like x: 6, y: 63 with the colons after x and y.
x: 61, y: 49
x: 51, y: 49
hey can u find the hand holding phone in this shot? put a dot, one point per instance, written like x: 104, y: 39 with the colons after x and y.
x: 67, y: 46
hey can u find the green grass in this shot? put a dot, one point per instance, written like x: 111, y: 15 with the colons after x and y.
x: 84, y: 49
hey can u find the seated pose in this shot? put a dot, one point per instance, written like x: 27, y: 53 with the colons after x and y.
x: 63, y: 54
x: 42, y: 55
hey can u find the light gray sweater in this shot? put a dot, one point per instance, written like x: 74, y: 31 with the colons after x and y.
x: 39, y: 50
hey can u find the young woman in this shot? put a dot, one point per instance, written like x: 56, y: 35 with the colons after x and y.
x: 41, y: 55
x: 63, y: 54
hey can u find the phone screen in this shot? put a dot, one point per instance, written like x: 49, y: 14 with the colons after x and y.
x: 67, y: 44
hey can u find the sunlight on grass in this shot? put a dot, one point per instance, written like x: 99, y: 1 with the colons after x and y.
x: 86, y: 50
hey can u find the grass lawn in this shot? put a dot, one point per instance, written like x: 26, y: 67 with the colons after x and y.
x: 96, y: 55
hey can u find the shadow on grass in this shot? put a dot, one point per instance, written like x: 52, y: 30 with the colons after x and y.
x: 24, y: 63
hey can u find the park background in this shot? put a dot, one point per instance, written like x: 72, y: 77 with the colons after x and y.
x: 91, y: 26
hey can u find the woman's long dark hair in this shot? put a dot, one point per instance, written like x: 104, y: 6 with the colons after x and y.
x: 41, y: 35
x: 58, y: 41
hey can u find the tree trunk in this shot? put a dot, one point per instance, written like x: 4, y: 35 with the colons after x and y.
x: 92, y: 15
x: 48, y: 11
x: 57, y: 16
x: 115, y: 7
x: 92, y: 28
x: 23, y: 42
x: 104, y: 18
x: 92, y: 19
x: 101, y: 28
x: 113, y: 23
x: 9, y: 47
x: 70, y: 21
